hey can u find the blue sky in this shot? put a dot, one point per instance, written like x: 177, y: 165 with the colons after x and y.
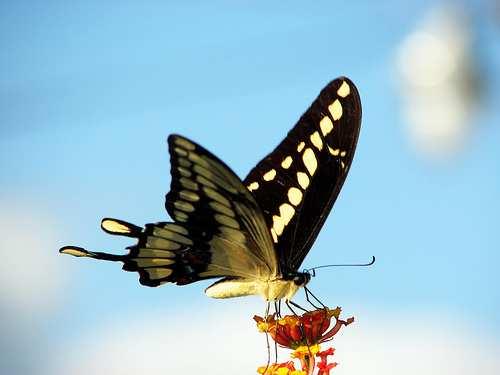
x: 89, y: 93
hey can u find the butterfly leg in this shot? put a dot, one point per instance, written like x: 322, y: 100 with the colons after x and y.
x: 308, y: 300
x: 277, y: 308
x: 290, y: 302
x: 266, y: 314
x: 309, y: 293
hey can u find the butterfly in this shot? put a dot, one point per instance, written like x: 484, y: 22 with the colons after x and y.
x: 251, y: 235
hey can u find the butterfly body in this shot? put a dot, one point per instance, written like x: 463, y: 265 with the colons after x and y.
x: 270, y: 290
x: 255, y: 233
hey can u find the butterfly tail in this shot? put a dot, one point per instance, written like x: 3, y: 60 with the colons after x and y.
x: 111, y: 226
x: 79, y: 252
x: 163, y: 253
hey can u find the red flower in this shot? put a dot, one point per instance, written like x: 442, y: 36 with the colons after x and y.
x: 303, y: 334
x: 323, y: 366
x: 293, y: 331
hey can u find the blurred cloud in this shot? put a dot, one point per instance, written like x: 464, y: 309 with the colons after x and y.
x: 163, y: 343
x: 30, y: 284
x: 437, y: 74
x: 30, y: 279
x: 210, y: 343
x: 419, y: 343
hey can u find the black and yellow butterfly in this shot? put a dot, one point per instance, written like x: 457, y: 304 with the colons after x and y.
x: 254, y: 234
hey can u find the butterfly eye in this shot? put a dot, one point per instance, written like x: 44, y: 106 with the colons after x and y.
x: 299, y: 280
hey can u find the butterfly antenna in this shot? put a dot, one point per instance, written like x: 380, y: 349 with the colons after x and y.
x: 313, y: 270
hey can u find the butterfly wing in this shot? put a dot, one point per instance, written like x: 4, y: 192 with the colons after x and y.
x: 223, y: 217
x: 297, y: 184
x: 219, y: 229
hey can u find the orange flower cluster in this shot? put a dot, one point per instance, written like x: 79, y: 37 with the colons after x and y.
x: 303, y: 334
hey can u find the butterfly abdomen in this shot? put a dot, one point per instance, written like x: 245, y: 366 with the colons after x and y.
x: 269, y: 290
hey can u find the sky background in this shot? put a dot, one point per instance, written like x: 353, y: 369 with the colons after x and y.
x: 89, y: 93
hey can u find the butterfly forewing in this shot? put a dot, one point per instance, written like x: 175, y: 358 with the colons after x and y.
x: 297, y: 184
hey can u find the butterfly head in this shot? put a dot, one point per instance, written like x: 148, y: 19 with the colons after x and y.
x: 299, y: 278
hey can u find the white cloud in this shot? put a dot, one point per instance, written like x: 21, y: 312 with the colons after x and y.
x: 31, y: 283
x: 30, y: 279
x: 228, y: 343
x: 418, y: 344
x: 162, y: 343
x: 439, y: 82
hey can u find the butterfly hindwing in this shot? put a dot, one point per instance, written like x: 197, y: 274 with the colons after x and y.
x: 158, y: 256
x: 298, y: 182
x: 219, y: 229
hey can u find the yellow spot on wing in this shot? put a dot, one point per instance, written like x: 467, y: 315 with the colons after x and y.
x: 316, y: 140
x: 310, y: 161
x: 180, y: 151
x: 155, y: 253
x: 205, y: 181
x: 153, y: 242
x: 216, y: 206
x: 165, y: 245
x: 173, y: 237
x: 287, y: 162
x: 75, y: 251
x: 303, y: 180
x: 344, y: 90
x: 184, y: 206
x: 176, y: 228
x: 335, y: 109
x: 343, y: 153
x: 326, y: 125
x: 274, y: 235
x: 216, y: 196
x: 195, y: 158
x: 300, y: 146
x: 184, y: 162
x: 188, y: 195
x: 114, y: 226
x: 333, y: 151
x: 294, y: 196
x: 184, y: 143
x: 253, y: 186
x: 180, y: 216
x: 158, y: 273
x: 278, y: 225
x: 184, y: 172
x: 188, y: 183
x: 151, y: 262
x: 286, y: 214
x: 227, y: 221
x: 269, y: 176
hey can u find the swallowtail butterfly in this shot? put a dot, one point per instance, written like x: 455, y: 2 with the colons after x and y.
x: 254, y: 234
